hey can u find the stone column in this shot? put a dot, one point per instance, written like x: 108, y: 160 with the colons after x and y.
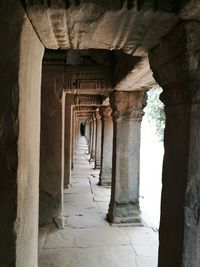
x: 91, y: 133
x: 175, y: 63
x: 87, y: 131
x: 51, y: 147
x: 106, y: 146
x: 68, y: 139
x: 93, y: 136
x: 73, y: 137
x: 127, y: 115
x: 87, y: 134
x: 98, y: 141
x: 77, y: 131
x: 20, y: 103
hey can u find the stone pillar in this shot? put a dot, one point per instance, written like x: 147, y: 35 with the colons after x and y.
x: 91, y: 134
x: 68, y: 139
x: 93, y: 141
x: 51, y: 147
x: 77, y: 131
x: 73, y: 137
x: 98, y: 141
x: 106, y: 146
x: 76, y: 134
x: 20, y: 98
x: 87, y: 134
x: 87, y: 131
x: 127, y: 115
x: 175, y: 63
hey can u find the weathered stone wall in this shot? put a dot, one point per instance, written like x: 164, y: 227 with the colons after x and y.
x: 51, y: 145
x: 20, y: 76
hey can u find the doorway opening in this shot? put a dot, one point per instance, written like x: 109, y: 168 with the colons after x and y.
x: 82, y: 129
x: 152, y: 150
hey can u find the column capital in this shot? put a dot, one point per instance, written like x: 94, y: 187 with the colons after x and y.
x: 128, y: 105
x: 97, y: 115
x: 105, y: 112
x: 90, y: 120
x: 94, y: 117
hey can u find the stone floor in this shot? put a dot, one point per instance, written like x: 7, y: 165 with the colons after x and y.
x: 88, y: 240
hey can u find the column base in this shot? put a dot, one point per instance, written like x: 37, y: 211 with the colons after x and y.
x: 105, y: 177
x: 91, y: 160
x: 104, y: 182
x: 124, y: 214
x: 97, y: 167
x: 60, y: 222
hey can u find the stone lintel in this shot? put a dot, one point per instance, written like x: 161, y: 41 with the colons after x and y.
x: 136, y: 29
x: 88, y: 101
x: 139, y: 76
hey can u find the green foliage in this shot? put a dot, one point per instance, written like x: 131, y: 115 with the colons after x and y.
x: 155, y: 111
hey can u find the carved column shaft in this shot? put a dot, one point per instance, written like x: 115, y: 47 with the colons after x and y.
x: 175, y: 63
x: 93, y: 141
x: 91, y: 135
x: 68, y: 139
x: 77, y: 130
x: 106, y: 146
x: 127, y: 115
x: 98, y: 141
x: 87, y: 133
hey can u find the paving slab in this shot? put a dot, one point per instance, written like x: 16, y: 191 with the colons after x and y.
x: 59, y: 238
x: 112, y: 256
x: 41, y: 237
x: 85, y: 221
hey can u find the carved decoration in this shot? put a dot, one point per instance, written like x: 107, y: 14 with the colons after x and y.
x: 98, y: 116
x: 128, y: 105
x: 105, y: 112
x: 96, y: 24
x: 88, y: 100
x: 88, y: 80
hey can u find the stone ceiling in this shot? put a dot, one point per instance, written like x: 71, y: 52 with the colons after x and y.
x: 135, y: 26
x: 85, y: 31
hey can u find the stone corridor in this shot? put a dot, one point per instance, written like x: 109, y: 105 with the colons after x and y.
x: 88, y: 240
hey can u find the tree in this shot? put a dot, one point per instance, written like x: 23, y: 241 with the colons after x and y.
x: 155, y: 111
